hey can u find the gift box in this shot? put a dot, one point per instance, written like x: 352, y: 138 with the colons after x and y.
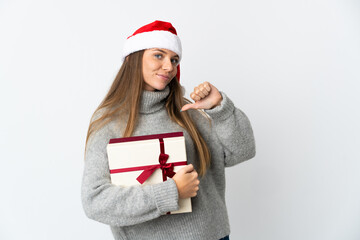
x: 147, y: 159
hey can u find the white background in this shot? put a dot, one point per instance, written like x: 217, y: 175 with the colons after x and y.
x: 292, y: 66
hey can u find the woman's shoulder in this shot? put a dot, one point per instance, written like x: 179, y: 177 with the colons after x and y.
x: 199, y: 116
x: 107, y: 126
x: 201, y: 120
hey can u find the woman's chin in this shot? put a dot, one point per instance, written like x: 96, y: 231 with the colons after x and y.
x: 159, y: 89
x: 156, y: 86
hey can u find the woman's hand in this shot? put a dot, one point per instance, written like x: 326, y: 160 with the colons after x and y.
x: 187, y: 181
x: 206, y: 96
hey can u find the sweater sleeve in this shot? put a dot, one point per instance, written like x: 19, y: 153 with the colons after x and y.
x: 234, y: 131
x: 115, y: 205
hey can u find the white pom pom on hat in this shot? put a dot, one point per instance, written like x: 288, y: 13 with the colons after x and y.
x: 157, y: 34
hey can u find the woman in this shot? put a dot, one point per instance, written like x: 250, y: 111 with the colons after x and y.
x: 146, y: 98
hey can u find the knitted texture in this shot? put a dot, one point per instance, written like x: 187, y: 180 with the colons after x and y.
x: 137, y: 212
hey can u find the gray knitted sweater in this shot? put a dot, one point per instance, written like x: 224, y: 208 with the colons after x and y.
x: 137, y: 212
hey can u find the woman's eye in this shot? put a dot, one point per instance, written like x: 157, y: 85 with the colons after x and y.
x: 175, y: 61
x: 158, y: 56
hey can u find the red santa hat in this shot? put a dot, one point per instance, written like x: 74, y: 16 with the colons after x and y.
x: 157, y: 34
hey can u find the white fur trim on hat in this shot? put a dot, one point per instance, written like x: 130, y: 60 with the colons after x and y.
x: 153, y: 39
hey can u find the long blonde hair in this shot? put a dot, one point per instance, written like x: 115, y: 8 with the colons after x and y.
x: 124, y: 97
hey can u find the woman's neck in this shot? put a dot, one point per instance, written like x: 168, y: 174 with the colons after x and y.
x: 152, y: 101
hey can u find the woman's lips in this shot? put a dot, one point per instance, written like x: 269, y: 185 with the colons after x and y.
x: 164, y: 77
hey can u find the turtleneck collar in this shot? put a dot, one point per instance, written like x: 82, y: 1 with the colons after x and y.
x: 153, y: 101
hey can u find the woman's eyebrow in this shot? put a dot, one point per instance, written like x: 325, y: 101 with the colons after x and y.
x: 160, y: 50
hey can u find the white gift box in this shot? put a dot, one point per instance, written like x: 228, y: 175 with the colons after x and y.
x: 147, y: 159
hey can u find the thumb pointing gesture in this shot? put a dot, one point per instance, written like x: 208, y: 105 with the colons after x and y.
x: 206, y: 96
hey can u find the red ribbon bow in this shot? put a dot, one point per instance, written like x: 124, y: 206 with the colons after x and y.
x: 167, y: 169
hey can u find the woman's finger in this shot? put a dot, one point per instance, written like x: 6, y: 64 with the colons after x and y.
x: 206, y: 85
x: 195, y: 97
x: 204, y: 90
x: 199, y: 92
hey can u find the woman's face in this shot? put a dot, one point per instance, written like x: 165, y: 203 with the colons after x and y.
x: 159, y: 67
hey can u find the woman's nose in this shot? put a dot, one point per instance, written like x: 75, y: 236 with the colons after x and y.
x: 167, y: 65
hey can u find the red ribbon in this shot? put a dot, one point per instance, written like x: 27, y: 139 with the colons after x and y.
x: 167, y: 168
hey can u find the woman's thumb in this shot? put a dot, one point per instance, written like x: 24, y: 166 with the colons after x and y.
x: 188, y: 106
x: 186, y: 169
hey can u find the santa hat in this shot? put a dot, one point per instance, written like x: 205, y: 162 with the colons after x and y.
x: 157, y: 34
